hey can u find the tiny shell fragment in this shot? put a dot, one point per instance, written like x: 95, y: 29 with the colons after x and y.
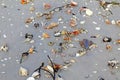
x: 52, y: 25
x: 107, y: 21
x: 73, y: 22
x: 118, y: 22
x: 89, y: 12
x: 32, y: 9
x: 45, y: 35
x: 4, y: 48
x: 29, y: 20
x: 73, y: 3
x: 23, y: 71
x: 46, y: 6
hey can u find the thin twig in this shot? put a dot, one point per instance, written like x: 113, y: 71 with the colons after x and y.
x: 52, y: 66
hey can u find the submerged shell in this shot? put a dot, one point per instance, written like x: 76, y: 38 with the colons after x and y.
x: 23, y: 71
x: 30, y: 78
x: 89, y: 12
x: 36, y: 75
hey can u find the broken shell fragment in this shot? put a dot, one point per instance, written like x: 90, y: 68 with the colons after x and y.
x: 46, y: 6
x: 36, y: 75
x: 108, y: 47
x: 23, y: 71
x: 118, y: 22
x: 29, y: 20
x: 52, y: 25
x: 107, y: 21
x: 32, y: 9
x: 30, y: 78
x: 45, y: 35
x: 4, y: 48
x: 89, y: 12
x: 118, y: 41
x: 73, y: 22
x: 73, y: 3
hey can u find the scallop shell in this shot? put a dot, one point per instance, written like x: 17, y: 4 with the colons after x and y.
x: 30, y: 78
x: 89, y: 12
x: 36, y: 75
x: 23, y: 71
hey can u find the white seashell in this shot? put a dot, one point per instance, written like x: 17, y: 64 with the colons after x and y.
x: 30, y: 78
x: 23, y: 71
x: 77, y: 54
x: 89, y: 12
x: 113, y: 22
x: 97, y: 28
x: 36, y: 75
x: 82, y: 22
x: 50, y: 68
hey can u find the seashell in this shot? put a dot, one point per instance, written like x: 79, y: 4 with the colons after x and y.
x: 50, y: 68
x: 113, y: 22
x: 30, y: 78
x: 107, y: 21
x: 108, y: 47
x: 72, y: 61
x: 89, y: 12
x: 4, y: 48
x: 118, y: 22
x: 23, y: 71
x: 118, y: 41
x: 29, y: 20
x: 52, y: 25
x: 46, y: 6
x: 36, y: 75
x: 32, y: 9
x: 45, y: 35
x: 73, y: 3
x: 73, y: 22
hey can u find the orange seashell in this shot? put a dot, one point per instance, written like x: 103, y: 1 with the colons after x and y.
x: 73, y: 3
x: 118, y: 41
x: 23, y: 2
x: 67, y: 39
x: 45, y: 35
x: 107, y: 21
x: 31, y: 50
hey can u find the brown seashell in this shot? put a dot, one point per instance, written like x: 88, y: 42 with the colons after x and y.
x: 73, y: 3
x: 29, y: 20
x: 108, y: 47
x: 118, y: 22
x: 107, y: 21
x: 52, y: 25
